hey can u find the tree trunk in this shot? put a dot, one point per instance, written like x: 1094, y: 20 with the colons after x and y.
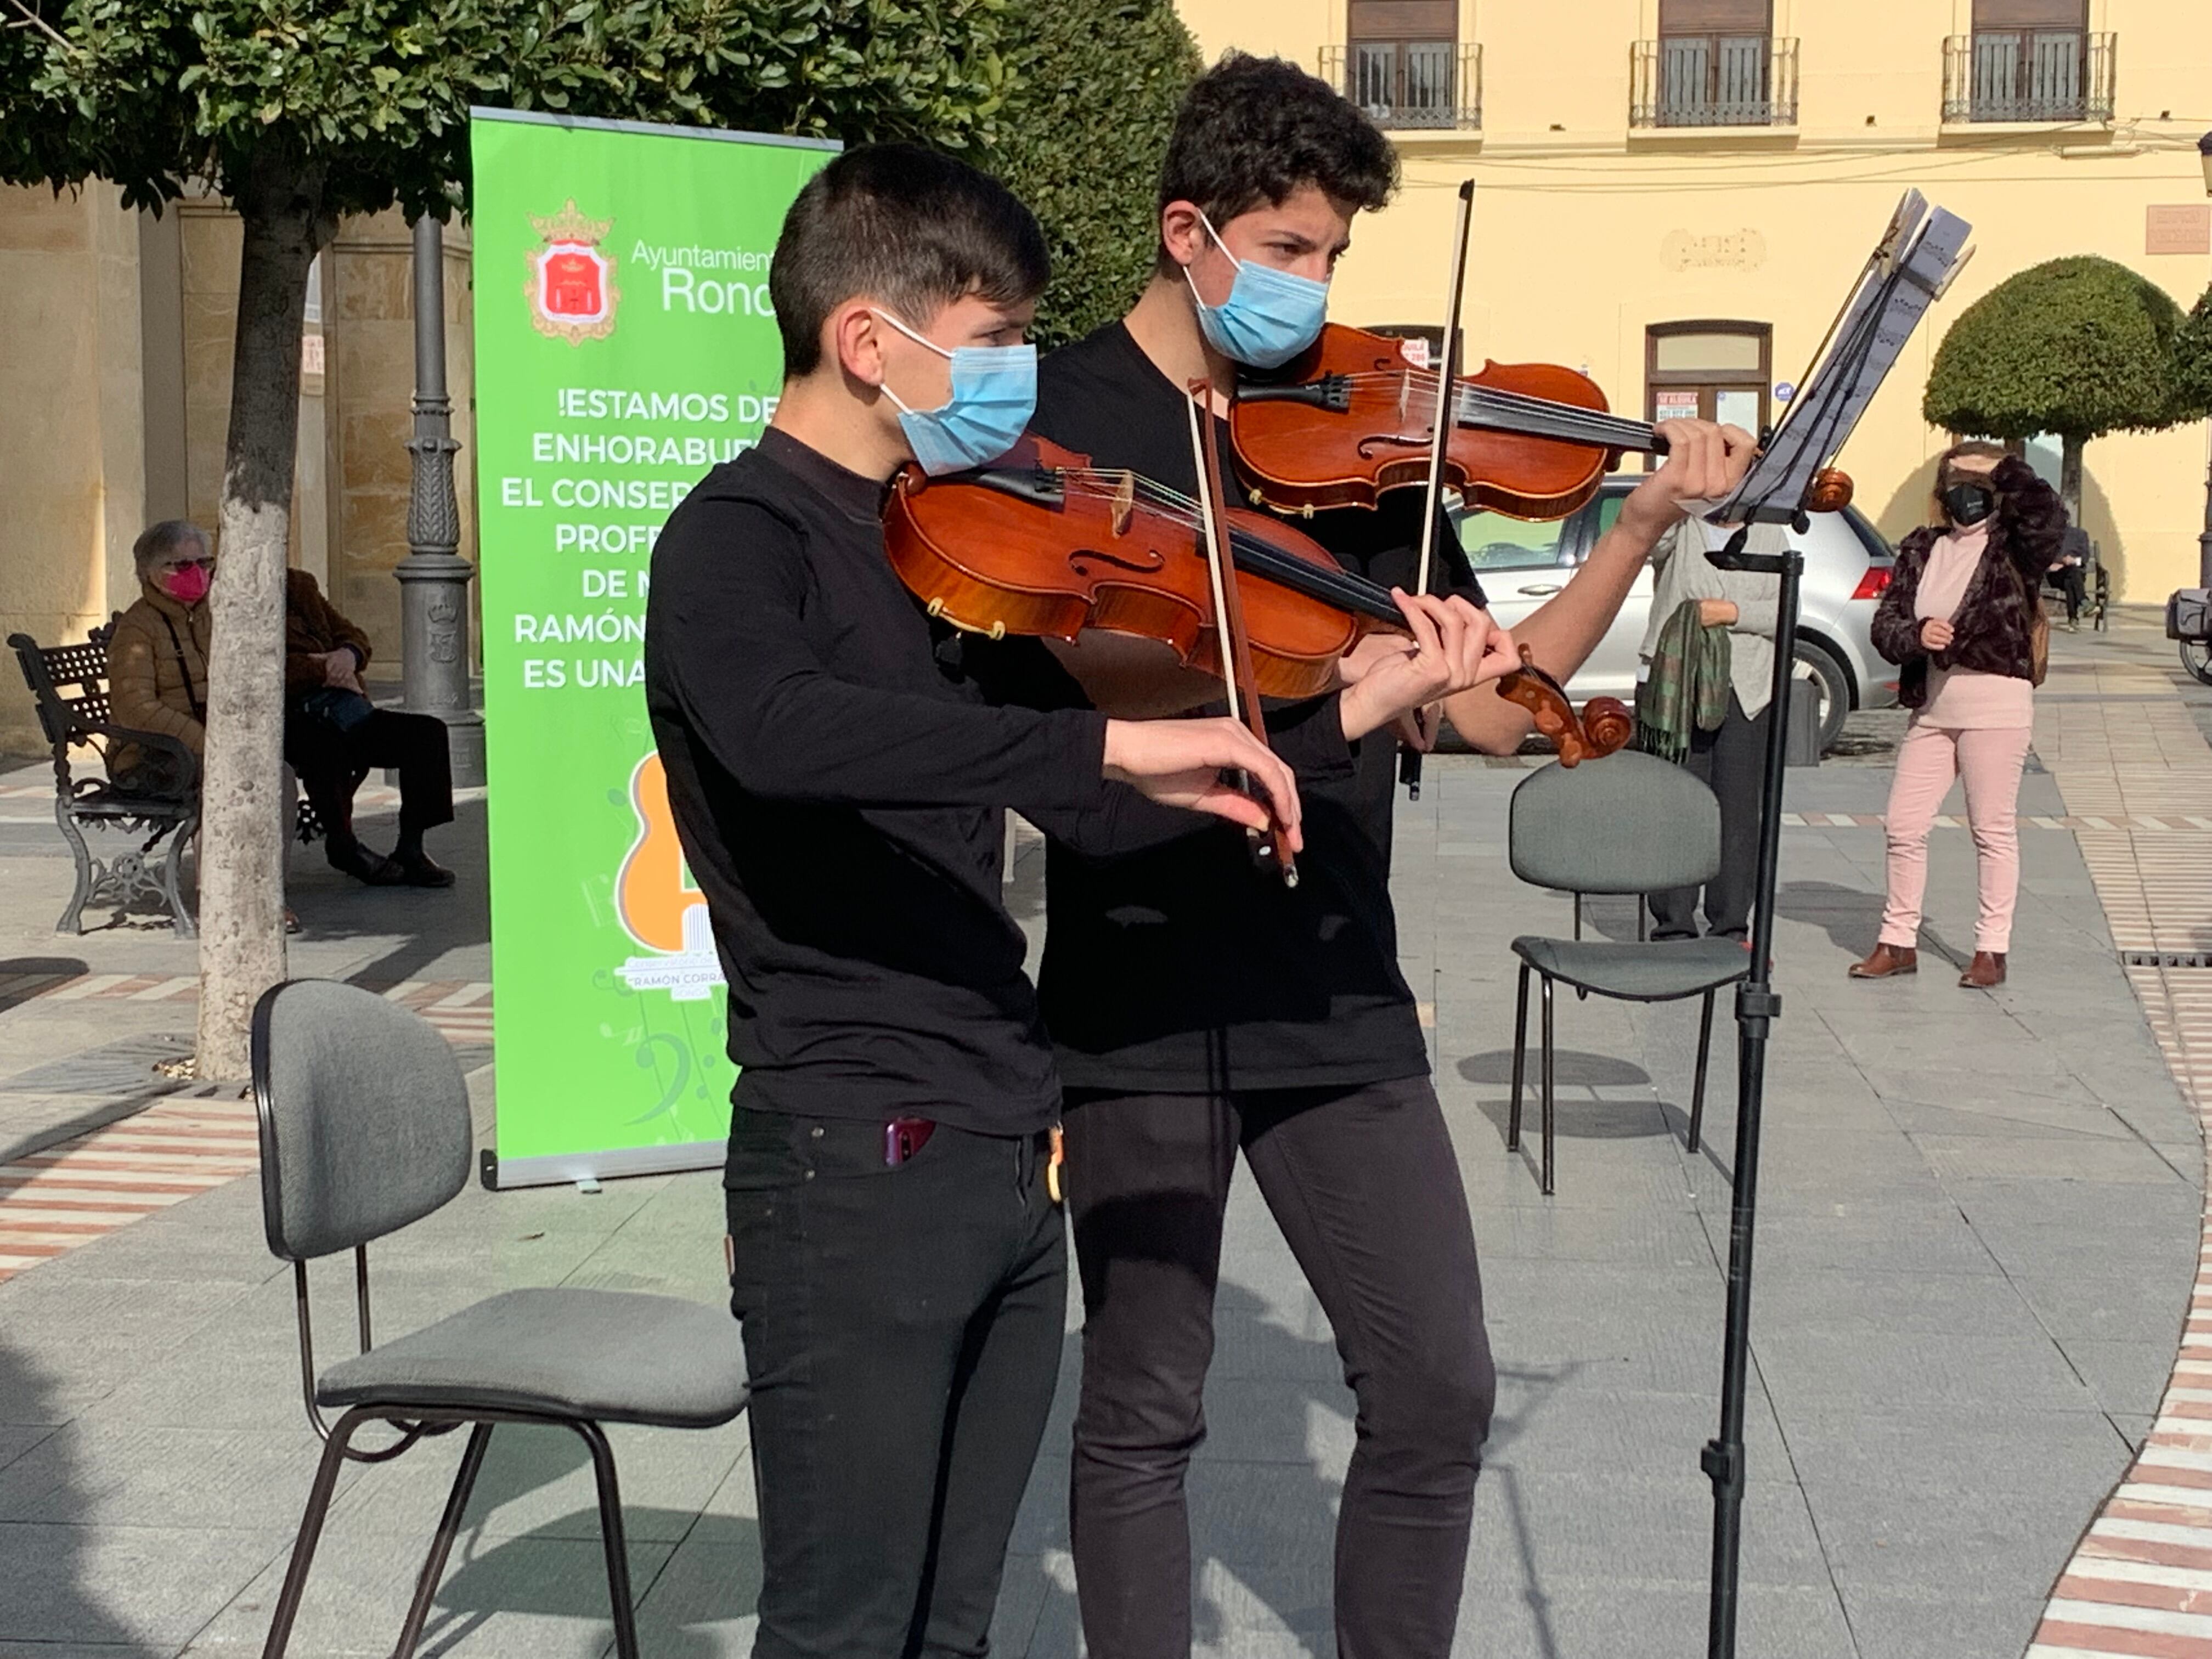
x: 242, y: 825
x: 2070, y: 476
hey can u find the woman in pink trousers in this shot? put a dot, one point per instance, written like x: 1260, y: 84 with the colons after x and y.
x: 1962, y: 618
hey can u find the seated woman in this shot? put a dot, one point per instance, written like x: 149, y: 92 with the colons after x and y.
x: 157, y: 655
x: 157, y: 661
x: 333, y: 736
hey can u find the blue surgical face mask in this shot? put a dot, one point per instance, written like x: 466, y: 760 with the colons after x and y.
x: 1269, y: 317
x: 994, y: 395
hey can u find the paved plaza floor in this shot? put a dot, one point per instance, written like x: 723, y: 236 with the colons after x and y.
x: 1980, y: 1229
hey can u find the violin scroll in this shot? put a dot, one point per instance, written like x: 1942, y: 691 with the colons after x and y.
x: 1604, y: 725
x: 1607, y: 725
x: 1830, y: 491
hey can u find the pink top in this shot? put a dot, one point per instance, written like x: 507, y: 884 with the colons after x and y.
x: 1964, y: 699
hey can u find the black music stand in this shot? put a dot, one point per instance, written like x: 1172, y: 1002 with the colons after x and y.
x: 1922, y: 250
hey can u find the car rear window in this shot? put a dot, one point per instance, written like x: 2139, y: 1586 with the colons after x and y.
x: 1870, y: 539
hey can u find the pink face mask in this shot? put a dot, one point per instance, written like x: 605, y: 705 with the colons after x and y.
x: 189, y: 585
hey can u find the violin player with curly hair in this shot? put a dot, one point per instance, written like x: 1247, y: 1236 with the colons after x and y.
x: 1962, y: 616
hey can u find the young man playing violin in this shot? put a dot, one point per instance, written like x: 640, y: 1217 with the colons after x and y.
x: 838, y: 777
x: 838, y: 786
x: 1198, y: 1008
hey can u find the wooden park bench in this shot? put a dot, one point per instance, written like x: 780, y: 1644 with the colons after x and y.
x: 160, y: 805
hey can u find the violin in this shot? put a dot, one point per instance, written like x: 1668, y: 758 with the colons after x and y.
x: 1604, y: 725
x: 1353, y: 417
x: 1041, y: 542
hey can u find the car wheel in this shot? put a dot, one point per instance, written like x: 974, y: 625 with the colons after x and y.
x: 2196, y: 658
x: 1834, y: 685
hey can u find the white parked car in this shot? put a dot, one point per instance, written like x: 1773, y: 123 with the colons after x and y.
x: 1847, y: 565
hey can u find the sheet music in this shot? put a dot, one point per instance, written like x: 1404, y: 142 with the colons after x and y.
x: 1911, y: 266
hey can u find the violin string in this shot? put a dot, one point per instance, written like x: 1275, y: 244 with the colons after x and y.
x: 1567, y: 421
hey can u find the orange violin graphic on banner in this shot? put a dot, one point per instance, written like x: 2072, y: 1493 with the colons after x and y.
x: 660, y: 907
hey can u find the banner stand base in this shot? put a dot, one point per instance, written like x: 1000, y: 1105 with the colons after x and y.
x: 561, y: 1169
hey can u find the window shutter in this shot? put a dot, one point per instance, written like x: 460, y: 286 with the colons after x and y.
x: 1999, y: 15
x: 1715, y: 17
x: 1405, y: 20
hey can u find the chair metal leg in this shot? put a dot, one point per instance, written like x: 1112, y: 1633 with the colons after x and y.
x: 311, y: 1531
x: 1547, y: 1085
x: 610, y: 1533
x: 1697, y: 1088
x: 180, y: 917
x: 441, y: 1545
x: 72, y: 919
x: 1520, y: 1060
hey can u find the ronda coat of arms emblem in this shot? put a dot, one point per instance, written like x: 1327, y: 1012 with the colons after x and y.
x: 572, y: 284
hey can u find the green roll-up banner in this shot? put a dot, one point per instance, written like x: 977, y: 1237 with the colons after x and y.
x: 624, y: 344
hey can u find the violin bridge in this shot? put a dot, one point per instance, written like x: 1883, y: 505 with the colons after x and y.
x: 1125, y: 502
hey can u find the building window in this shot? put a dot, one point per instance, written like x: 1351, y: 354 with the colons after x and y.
x: 2028, y: 60
x: 1403, y: 64
x: 1708, y: 371
x: 1716, y: 63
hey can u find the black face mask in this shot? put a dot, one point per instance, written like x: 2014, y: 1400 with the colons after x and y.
x: 1967, y: 504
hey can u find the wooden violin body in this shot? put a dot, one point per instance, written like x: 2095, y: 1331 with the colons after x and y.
x: 1039, y: 544
x: 1353, y: 418
x: 1604, y: 725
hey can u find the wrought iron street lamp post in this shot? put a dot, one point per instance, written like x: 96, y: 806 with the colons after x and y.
x: 2204, y: 541
x: 433, y: 579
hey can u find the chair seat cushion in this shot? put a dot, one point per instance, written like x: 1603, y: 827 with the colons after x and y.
x: 612, y: 1356
x: 1633, y: 972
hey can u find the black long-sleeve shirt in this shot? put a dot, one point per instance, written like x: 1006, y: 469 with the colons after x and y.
x: 837, y: 780
x: 1181, y: 968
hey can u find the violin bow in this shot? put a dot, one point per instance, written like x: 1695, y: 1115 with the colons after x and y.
x: 1235, y: 645
x: 1432, y: 495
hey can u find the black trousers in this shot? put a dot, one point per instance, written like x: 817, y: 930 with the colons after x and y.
x: 902, y: 1331
x: 2072, y: 583
x: 1731, y: 763
x: 331, y: 764
x: 1364, y: 1183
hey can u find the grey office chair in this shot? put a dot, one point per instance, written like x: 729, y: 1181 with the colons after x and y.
x: 365, y: 1128
x: 1627, y: 823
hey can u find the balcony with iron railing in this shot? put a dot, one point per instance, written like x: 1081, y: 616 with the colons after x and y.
x: 1410, y: 86
x: 1694, y: 80
x: 2028, y: 76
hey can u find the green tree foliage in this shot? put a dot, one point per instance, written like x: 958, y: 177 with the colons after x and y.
x: 375, y: 94
x: 2079, y: 346
x: 2192, y: 354
x: 1091, y: 87
x: 299, y: 112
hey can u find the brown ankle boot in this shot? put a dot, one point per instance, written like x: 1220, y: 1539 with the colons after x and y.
x: 1985, y: 972
x: 1888, y: 962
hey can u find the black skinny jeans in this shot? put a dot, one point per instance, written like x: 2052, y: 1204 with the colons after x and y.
x: 1364, y: 1183
x: 1731, y: 761
x: 902, y: 1330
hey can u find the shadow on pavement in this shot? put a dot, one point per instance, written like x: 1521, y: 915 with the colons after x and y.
x: 40, y: 972
x: 50, y: 1595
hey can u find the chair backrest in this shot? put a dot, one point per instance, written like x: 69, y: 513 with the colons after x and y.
x: 365, y: 1121
x: 1628, y: 823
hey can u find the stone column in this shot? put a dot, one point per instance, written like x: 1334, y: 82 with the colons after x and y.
x: 433, y: 579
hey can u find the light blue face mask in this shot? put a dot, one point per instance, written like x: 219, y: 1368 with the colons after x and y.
x: 993, y: 396
x: 1269, y: 317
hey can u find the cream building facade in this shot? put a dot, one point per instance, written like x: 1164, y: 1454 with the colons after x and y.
x: 115, y: 404
x: 1673, y: 195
